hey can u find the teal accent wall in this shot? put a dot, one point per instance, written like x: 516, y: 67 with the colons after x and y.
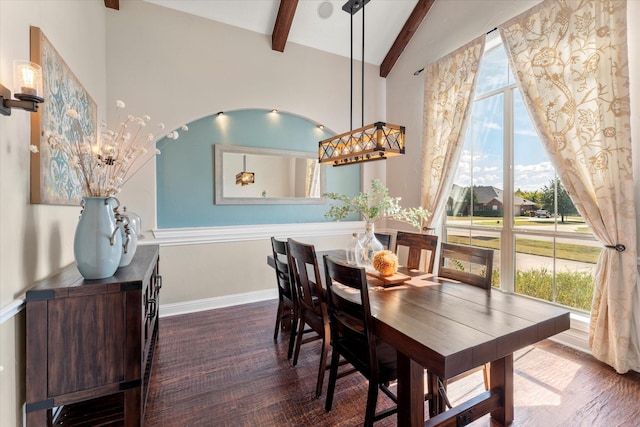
x: 185, y: 170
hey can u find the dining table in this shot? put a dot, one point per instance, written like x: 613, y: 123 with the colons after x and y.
x: 449, y: 328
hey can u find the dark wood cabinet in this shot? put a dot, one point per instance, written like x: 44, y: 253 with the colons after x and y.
x: 90, y: 345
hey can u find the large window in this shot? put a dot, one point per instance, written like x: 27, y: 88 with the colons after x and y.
x: 507, y: 196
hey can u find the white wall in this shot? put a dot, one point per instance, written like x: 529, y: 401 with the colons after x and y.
x: 36, y: 240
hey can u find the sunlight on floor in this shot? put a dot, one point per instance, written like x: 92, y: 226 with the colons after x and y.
x: 548, y: 386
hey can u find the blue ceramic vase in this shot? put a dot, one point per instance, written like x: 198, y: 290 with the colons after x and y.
x: 97, y: 246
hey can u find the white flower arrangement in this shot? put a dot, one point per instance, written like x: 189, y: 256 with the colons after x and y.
x: 103, y: 165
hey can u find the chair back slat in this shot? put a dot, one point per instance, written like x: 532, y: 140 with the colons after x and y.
x: 467, y: 264
x: 417, y: 243
x: 306, y: 276
x: 280, y: 257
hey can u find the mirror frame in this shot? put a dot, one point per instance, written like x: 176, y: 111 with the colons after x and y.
x: 220, y: 199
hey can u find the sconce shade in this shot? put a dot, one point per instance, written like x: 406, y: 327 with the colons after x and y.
x: 27, y: 80
x: 245, y: 178
x: 374, y: 142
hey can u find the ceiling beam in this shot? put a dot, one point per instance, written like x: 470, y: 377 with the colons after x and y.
x: 409, y: 29
x: 283, y: 24
x: 112, y: 4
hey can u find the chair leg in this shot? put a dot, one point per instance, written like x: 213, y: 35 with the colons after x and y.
x: 442, y: 391
x: 323, y: 363
x: 298, y: 341
x: 278, y: 319
x: 292, y: 336
x: 333, y: 375
x: 485, y: 372
x: 434, y: 400
x: 372, y: 400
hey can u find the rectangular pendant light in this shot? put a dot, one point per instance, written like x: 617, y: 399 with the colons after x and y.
x: 373, y: 142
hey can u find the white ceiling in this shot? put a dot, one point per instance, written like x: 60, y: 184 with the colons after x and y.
x: 383, y: 21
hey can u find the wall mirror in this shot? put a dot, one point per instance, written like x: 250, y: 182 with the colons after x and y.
x: 279, y: 176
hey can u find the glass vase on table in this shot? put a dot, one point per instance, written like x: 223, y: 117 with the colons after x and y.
x: 354, y: 250
x: 370, y: 245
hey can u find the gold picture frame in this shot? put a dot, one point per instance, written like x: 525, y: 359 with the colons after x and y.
x: 52, y: 181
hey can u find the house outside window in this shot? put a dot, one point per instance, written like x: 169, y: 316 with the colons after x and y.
x: 506, y: 196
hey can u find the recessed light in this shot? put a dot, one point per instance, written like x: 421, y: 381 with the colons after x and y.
x: 274, y: 111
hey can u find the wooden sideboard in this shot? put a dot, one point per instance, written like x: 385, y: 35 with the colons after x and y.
x: 90, y: 345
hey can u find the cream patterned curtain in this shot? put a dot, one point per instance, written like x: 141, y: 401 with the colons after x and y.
x: 570, y: 61
x: 448, y: 90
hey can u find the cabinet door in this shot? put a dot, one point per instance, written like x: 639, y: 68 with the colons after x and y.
x: 85, y: 342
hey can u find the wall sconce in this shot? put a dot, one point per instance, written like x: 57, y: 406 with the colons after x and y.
x: 27, y: 78
x: 244, y: 178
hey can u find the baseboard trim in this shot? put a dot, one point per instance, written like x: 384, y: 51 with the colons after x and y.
x: 178, y: 308
x: 578, y: 336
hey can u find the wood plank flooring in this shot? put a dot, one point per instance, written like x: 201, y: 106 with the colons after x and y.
x: 222, y: 368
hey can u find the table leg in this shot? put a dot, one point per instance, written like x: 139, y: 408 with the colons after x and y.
x: 501, y: 376
x: 410, y: 392
x: 133, y: 407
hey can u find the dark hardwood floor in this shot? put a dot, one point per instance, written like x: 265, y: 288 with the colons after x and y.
x: 222, y: 368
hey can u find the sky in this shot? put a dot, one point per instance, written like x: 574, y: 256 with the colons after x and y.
x: 481, y: 162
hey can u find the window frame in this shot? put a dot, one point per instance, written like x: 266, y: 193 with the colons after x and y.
x: 507, y: 231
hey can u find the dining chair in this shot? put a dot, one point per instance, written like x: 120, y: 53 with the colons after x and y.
x: 466, y: 264
x: 287, y: 305
x: 311, y: 307
x: 352, y: 336
x: 472, y: 266
x: 384, y: 238
x: 416, y: 244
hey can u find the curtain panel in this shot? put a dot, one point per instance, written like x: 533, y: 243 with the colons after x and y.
x: 570, y: 63
x: 449, y: 85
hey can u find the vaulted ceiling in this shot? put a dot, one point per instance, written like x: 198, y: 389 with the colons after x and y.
x: 389, y: 24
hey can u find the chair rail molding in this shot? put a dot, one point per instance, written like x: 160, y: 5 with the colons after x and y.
x: 11, y: 309
x: 238, y: 233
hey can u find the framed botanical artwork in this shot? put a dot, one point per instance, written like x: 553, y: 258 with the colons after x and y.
x: 52, y: 181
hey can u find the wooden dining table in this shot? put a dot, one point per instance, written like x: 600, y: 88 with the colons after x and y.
x: 449, y: 328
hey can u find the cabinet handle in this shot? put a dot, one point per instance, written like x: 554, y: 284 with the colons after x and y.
x: 151, y: 308
x: 158, y: 281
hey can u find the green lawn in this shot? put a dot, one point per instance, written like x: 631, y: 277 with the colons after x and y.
x: 568, y: 251
x: 572, y: 289
x: 520, y: 221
